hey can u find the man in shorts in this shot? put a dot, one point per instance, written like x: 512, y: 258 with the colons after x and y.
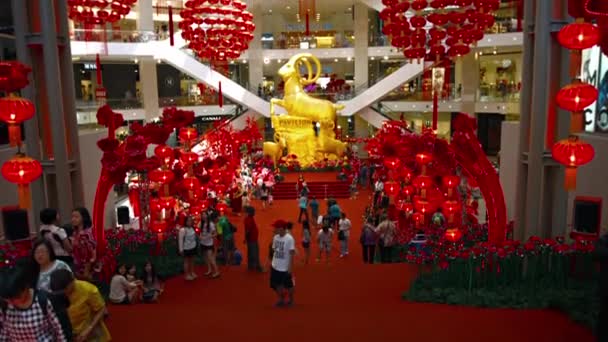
x: 282, y: 254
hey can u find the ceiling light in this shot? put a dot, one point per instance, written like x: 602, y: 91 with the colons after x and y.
x: 373, y: 58
x: 270, y: 11
x: 279, y: 60
x: 135, y: 61
x: 288, y: 8
x: 385, y: 58
x: 244, y: 61
x: 348, y: 59
x: 266, y: 60
x: 336, y: 60
x: 494, y: 52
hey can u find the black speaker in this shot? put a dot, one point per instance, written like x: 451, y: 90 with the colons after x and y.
x: 587, y: 215
x: 123, y: 215
x: 16, y: 225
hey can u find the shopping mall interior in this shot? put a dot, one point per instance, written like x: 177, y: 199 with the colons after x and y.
x: 463, y: 138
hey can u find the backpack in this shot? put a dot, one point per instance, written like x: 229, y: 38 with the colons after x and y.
x: 61, y: 310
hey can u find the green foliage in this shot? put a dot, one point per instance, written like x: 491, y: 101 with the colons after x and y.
x: 566, y: 282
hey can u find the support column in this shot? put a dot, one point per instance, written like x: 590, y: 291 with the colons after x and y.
x: 361, y: 29
x: 256, y: 54
x: 54, y: 95
x: 148, y: 82
x: 148, y: 78
x: 31, y: 127
x: 467, y: 76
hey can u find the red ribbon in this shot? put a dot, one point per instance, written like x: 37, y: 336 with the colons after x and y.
x: 307, y: 24
x: 171, y: 25
x: 220, y: 96
x: 98, y: 70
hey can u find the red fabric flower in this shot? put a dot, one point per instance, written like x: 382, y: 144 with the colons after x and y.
x: 177, y: 118
x: 108, y: 144
x: 105, y: 115
x: 154, y: 134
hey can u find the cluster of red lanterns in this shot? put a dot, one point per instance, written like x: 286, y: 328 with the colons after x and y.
x: 99, y: 12
x: 21, y: 169
x: 456, y: 24
x: 416, y: 196
x: 572, y: 152
x: 217, y: 30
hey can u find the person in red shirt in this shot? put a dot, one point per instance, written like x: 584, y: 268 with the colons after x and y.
x: 251, y: 239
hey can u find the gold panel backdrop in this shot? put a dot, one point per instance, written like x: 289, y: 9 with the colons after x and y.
x: 307, y: 130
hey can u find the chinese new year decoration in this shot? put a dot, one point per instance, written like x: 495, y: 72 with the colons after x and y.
x: 308, y: 129
x: 217, y: 31
x: 576, y: 96
x: 428, y: 173
x: 20, y: 169
x: 98, y: 12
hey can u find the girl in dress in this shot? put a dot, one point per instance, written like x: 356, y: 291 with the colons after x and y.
x: 83, y: 243
x: 324, y: 238
x: 187, y: 246
x: 208, y: 235
x: 152, y: 284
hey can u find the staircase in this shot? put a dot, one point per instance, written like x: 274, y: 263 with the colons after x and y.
x: 319, y: 190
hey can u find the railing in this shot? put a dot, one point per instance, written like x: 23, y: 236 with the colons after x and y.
x: 499, y: 93
x: 133, y: 103
x: 192, y: 100
x: 98, y: 35
x: 409, y: 92
x: 340, y: 39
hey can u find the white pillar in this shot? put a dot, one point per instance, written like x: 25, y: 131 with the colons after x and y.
x: 256, y: 55
x: 145, y: 15
x: 467, y: 75
x: 361, y: 23
x: 149, y: 88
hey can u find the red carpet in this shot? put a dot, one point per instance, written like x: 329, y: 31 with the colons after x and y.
x: 342, y: 301
x: 320, y: 190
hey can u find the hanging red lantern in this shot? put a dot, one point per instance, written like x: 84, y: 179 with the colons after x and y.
x: 167, y: 203
x: 191, y: 183
x: 13, y: 76
x: 22, y: 170
x: 450, y: 182
x: 165, y: 154
x: 99, y: 12
x: 14, y: 111
x: 422, y: 206
x: 188, y: 134
x: 188, y: 158
x: 453, y: 235
x: 221, y: 207
x: 408, y: 191
x: 161, y: 176
x: 405, y: 206
x: 423, y: 182
x: 391, y: 163
x: 391, y: 188
x: 572, y: 153
x: 451, y: 208
x: 579, y: 36
x: 575, y: 97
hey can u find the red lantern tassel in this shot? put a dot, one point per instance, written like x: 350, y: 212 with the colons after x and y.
x: 14, y: 134
x: 98, y: 70
x: 171, y: 42
x: 435, y: 109
x: 25, y: 197
x: 576, y: 60
x: 570, y: 179
x: 220, y: 95
x: 307, y: 24
x: 576, y: 122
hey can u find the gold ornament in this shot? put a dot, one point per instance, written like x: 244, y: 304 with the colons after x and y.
x: 308, y: 127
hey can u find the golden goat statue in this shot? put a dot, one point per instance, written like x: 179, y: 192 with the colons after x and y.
x: 274, y: 150
x: 296, y: 101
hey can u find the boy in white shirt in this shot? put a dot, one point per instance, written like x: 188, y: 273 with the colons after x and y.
x: 283, y: 251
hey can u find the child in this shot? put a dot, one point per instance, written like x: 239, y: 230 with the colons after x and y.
x: 306, y: 240
x: 132, y: 273
x: 152, y: 284
x: 314, y: 209
x: 324, y: 238
x: 123, y: 291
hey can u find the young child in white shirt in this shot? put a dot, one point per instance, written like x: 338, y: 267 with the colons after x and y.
x: 324, y: 237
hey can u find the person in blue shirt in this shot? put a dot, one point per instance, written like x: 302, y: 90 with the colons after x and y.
x: 334, y: 214
x: 314, y: 209
x: 303, y: 203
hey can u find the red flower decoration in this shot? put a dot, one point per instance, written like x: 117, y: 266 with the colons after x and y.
x: 177, y: 118
x: 108, y: 118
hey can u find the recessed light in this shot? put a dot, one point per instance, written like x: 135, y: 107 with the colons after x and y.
x: 266, y: 60
x: 244, y: 61
x: 489, y: 39
x: 288, y: 8
x: 372, y: 58
x: 279, y: 60
x: 135, y: 61
x: 348, y: 59
x: 336, y: 60
x: 385, y: 58
x: 270, y: 11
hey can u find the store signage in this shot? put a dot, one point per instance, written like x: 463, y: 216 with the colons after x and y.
x: 90, y: 66
x: 590, y: 74
x: 601, y: 116
x: 313, y: 27
x: 100, y: 94
x: 207, y: 118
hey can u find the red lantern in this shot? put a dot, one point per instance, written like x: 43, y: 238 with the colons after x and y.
x: 423, y: 182
x: 222, y: 207
x: 423, y: 159
x: 99, y: 12
x: 451, y: 207
x: 188, y: 158
x: 161, y: 176
x: 405, y: 206
x: 159, y: 226
x: 391, y: 188
x: 22, y: 170
x: 164, y: 153
x: 14, y: 111
x: 191, y: 183
x: 408, y: 190
x: 577, y: 96
x: 579, y: 36
x: 453, y: 235
x: 450, y: 182
x: 423, y: 206
x: 188, y: 134
x: 391, y: 163
x: 167, y: 203
x: 13, y: 76
x: 572, y: 153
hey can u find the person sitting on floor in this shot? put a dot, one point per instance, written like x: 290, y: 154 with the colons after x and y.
x: 152, y: 285
x: 123, y: 291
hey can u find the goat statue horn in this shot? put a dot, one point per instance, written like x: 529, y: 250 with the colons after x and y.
x: 305, y: 58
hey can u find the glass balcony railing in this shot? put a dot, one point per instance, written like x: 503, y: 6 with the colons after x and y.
x: 192, y: 100
x: 409, y: 92
x: 499, y: 93
x: 86, y: 106
x: 117, y: 36
x: 317, y: 40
